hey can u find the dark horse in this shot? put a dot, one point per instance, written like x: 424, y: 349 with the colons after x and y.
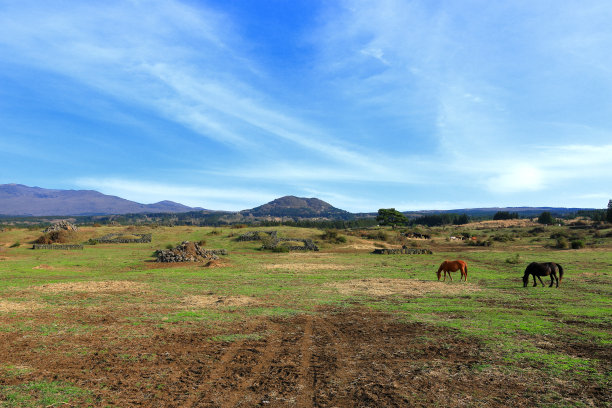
x: 453, y: 266
x: 543, y: 269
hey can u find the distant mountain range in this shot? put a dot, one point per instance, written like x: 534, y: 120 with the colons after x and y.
x: 20, y: 200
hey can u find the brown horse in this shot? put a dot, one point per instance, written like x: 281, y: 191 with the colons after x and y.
x: 453, y: 266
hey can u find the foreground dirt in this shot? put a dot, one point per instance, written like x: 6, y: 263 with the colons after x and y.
x: 332, y: 358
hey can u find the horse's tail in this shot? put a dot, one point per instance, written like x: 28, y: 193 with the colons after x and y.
x: 560, y: 272
x: 465, y: 272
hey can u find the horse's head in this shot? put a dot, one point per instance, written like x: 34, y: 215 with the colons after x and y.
x: 526, y: 280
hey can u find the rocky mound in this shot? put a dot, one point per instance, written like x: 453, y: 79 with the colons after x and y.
x: 188, y: 252
x: 62, y: 225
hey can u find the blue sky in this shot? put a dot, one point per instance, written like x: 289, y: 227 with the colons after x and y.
x: 228, y: 104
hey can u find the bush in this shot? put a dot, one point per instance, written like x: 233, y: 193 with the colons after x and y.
x: 379, y: 235
x: 15, y: 245
x: 562, y: 243
x: 537, y: 230
x: 577, y: 244
x: 514, y: 259
x: 169, y: 246
x: 215, y: 232
x: 332, y: 236
x: 202, y: 242
x: 238, y: 226
x: 54, y: 237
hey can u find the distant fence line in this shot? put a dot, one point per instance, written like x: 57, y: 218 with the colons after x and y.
x: 407, y: 251
x: 57, y: 246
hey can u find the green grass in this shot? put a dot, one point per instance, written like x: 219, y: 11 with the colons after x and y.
x: 39, y: 394
x: 508, y: 319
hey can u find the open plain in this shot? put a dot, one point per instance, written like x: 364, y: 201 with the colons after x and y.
x: 107, y: 326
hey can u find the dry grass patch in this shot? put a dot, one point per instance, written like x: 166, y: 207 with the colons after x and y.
x: 8, y: 306
x: 305, y: 267
x: 95, y: 287
x: 502, y: 223
x: 206, y: 301
x: 408, y: 287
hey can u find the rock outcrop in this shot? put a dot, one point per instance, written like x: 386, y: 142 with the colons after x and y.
x: 188, y: 252
x: 62, y: 225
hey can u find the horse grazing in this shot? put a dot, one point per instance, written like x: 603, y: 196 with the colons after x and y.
x: 543, y: 269
x: 453, y: 266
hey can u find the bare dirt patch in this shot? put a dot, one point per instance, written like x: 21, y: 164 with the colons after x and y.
x: 335, y: 358
x: 206, y: 301
x: 408, y: 287
x: 95, y: 287
x: 305, y: 267
x: 45, y: 267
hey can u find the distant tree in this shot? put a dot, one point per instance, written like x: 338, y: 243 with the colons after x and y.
x: 390, y: 216
x: 609, y: 215
x: 505, y: 215
x: 545, y: 218
x: 461, y: 219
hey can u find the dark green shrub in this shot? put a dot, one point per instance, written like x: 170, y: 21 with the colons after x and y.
x: 202, y: 242
x: 15, y: 245
x: 577, y: 244
x: 169, y: 246
x: 332, y: 236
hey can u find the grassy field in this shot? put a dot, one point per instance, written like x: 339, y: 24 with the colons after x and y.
x: 108, y: 326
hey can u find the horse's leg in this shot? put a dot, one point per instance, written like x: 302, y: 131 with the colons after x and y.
x: 540, y: 279
x: 535, y: 283
x: 552, y: 280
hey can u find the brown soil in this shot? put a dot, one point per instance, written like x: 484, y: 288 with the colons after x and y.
x: 44, y: 266
x: 336, y: 358
x: 206, y: 301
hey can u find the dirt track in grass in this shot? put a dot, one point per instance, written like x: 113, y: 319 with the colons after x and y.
x: 331, y: 358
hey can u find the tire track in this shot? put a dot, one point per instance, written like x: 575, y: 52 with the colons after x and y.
x: 306, y: 373
x: 195, y: 396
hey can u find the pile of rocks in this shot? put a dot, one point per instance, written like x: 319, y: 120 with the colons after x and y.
x: 309, y: 245
x: 62, y: 225
x: 188, y: 252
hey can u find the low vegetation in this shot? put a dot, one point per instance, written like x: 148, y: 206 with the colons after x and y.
x: 107, y: 326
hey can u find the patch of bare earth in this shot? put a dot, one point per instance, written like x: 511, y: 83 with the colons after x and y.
x: 408, y: 287
x: 206, y: 301
x: 95, y: 287
x: 334, y: 358
x: 44, y: 267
